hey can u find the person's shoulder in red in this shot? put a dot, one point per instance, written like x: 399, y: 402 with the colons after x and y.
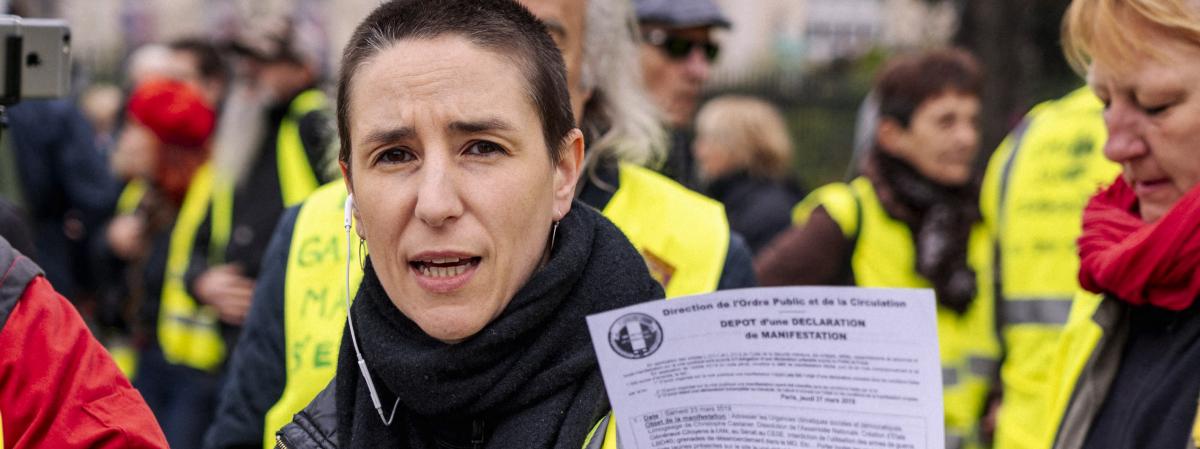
x: 58, y: 386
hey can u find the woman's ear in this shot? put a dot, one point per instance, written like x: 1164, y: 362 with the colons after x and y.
x: 567, y: 171
x: 892, y: 137
x: 359, y: 226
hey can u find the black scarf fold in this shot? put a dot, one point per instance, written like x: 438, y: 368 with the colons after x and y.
x: 529, y: 378
x: 940, y: 218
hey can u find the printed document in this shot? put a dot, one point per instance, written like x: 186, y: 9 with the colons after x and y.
x: 775, y: 368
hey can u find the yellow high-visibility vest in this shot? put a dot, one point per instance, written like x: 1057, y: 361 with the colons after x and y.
x: 680, y: 233
x: 314, y: 306
x: 884, y: 256
x: 189, y: 333
x: 683, y: 235
x: 1033, y: 195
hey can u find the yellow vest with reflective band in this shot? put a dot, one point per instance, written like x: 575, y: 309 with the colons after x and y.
x: 189, y: 333
x: 1036, y: 186
x: 884, y: 256
x: 314, y: 306
x: 683, y: 235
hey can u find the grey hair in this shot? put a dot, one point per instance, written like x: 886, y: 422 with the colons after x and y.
x: 619, y: 119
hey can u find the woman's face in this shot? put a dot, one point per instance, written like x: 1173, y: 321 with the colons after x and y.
x: 712, y: 158
x: 1152, y: 111
x: 454, y: 189
x: 941, y: 140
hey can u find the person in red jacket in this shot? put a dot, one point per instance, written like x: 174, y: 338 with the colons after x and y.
x: 58, y: 386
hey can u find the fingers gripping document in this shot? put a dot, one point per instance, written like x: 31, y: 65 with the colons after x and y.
x: 768, y: 368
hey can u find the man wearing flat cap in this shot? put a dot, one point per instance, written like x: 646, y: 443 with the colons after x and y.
x: 677, y: 55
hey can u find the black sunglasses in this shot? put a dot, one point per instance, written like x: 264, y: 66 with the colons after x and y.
x: 678, y: 48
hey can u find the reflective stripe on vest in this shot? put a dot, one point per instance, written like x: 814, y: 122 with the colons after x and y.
x: 683, y: 235
x: 314, y: 308
x: 131, y: 196
x: 884, y: 256
x: 187, y: 331
x: 1034, y: 192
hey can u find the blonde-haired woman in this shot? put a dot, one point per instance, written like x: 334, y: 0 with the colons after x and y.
x: 1131, y: 355
x: 744, y: 155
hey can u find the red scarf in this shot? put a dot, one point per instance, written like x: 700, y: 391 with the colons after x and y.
x: 1141, y: 263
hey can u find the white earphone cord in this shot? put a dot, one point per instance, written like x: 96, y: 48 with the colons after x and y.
x: 362, y: 364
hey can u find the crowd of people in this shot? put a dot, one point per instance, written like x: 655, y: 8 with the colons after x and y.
x: 224, y: 254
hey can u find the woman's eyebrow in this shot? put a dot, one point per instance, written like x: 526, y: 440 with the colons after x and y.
x: 458, y: 127
x: 476, y: 126
x: 389, y: 135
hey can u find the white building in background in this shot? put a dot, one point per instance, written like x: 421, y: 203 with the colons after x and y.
x: 790, y: 35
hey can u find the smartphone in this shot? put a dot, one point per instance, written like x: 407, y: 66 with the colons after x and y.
x: 35, y: 58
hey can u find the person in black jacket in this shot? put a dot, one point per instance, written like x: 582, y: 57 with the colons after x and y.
x: 744, y: 155
x: 461, y: 156
x: 67, y: 190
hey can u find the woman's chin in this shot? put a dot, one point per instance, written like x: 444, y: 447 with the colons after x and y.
x: 452, y: 332
x: 1150, y: 213
x: 448, y: 318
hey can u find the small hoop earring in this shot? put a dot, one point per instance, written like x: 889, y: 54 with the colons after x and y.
x: 362, y: 251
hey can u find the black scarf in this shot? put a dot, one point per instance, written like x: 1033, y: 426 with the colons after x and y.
x: 940, y: 218
x: 529, y: 379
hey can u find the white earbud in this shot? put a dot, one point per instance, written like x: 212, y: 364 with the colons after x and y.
x: 348, y: 210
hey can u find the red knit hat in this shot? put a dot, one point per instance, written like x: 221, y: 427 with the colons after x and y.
x: 175, y: 112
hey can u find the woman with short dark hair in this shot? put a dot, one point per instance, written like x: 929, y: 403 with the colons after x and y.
x: 912, y: 221
x: 461, y: 155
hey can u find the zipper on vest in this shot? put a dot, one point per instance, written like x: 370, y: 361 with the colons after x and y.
x: 279, y: 444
